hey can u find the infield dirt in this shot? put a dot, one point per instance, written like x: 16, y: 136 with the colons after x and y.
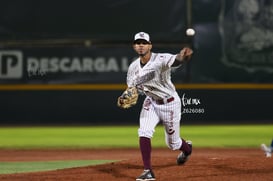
x: 204, y: 164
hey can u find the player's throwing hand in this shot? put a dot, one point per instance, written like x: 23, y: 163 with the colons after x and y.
x: 185, y: 54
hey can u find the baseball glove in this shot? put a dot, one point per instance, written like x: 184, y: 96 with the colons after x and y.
x: 128, y: 98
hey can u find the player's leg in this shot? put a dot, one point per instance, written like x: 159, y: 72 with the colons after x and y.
x: 148, y: 121
x: 173, y: 139
x: 171, y: 114
x: 172, y: 134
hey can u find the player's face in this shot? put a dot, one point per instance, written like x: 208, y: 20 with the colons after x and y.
x: 142, y: 47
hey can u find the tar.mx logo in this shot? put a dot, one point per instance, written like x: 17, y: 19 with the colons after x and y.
x: 11, y: 64
x: 190, y: 105
x: 190, y: 101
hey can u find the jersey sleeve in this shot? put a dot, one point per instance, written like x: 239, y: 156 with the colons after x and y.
x: 167, y: 60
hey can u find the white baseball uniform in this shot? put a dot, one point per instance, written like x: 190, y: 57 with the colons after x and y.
x: 162, y: 102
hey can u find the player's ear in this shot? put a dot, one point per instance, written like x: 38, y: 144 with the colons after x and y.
x: 151, y: 46
x: 134, y: 46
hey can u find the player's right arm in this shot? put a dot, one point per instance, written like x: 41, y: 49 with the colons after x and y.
x: 183, y: 56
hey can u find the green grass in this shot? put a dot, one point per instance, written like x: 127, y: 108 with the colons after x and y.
x: 230, y: 136
x: 126, y: 136
x: 118, y: 137
x: 19, y: 167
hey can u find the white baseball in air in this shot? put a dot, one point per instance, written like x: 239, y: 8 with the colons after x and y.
x: 190, y: 32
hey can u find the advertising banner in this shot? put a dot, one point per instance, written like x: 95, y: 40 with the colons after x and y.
x: 67, y: 65
x: 64, y: 65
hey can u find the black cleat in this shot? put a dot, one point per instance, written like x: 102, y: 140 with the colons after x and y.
x: 183, y: 157
x: 147, y: 175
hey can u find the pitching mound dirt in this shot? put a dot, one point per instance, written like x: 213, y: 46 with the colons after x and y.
x: 204, y: 164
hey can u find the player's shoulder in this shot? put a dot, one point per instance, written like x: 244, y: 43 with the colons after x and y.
x: 165, y: 59
x: 163, y: 56
x: 134, y: 63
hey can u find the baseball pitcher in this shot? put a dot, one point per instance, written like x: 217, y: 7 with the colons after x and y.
x: 150, y: 75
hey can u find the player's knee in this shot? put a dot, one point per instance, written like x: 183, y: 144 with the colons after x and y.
x: 145, y: 133
x: 173, y: 145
